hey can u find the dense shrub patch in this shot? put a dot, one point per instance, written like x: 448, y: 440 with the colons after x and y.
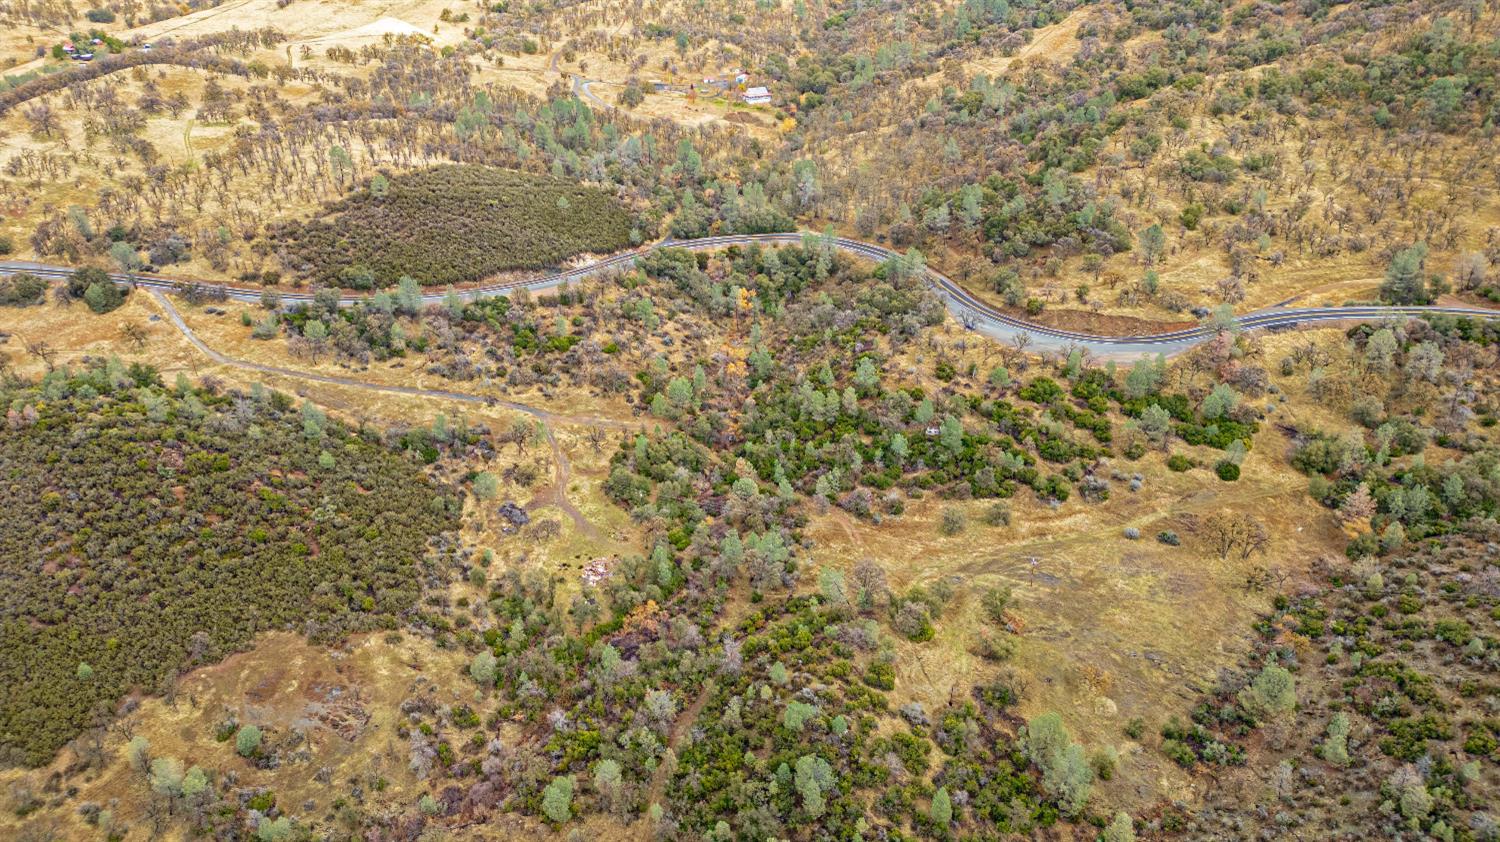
x: 451, y: 224
x: 149, y: 529
x: 22, y: 289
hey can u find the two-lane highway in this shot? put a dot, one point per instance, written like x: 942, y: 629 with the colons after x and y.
x: 982, y: 317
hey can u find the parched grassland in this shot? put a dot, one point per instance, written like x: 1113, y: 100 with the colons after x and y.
x: 452, y: 224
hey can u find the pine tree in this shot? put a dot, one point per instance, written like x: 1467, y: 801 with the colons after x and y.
x: 1404, y: 282
x: 942, y: 808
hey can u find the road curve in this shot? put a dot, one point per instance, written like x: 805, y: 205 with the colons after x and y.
x: 581, y: 90
x: 973, y: 312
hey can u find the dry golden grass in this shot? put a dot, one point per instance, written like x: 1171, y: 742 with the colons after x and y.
x: 1053, y: 44
x: 74, y: 333
x: 92, y: 165
x: 225, y: 334
x: 19, y: 42
x: 600, y: 529
x: 284, y: 685
x: 1115, y: 628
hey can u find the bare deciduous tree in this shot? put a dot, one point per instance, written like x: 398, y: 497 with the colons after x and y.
x: 1235, y: 534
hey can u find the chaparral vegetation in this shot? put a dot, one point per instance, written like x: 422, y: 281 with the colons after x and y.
x: 306, y: 536
x: 451, y: 224
x: 156, y: 528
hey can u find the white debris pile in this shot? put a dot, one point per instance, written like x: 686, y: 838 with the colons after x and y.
x: 597, y: 570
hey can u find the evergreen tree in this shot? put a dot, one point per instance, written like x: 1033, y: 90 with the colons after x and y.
x: 942, y: 808
x: 1404, y: 282
x: 557, y: 799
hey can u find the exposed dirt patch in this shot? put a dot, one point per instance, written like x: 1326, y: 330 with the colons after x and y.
x: 1099, y: 324
x: 744, y: 118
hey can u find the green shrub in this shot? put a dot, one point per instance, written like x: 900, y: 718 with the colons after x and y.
x: 103, y: 297
x: 996, y: 514
x: 1272, y: 695
x: 954, y: 521
x: 247, y: 740
x: 1179, y: 752
x: 22, y: 289
x: 881, y: 675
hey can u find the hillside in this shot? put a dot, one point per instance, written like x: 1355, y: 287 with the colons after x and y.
x: 1070, y: 161
x: 371, y: 535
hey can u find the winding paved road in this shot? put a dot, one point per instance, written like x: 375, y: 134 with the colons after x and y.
x: 974, y: 313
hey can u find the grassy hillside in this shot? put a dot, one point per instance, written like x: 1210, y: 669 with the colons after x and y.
x: 755, y: 543
x: 1070, y: 160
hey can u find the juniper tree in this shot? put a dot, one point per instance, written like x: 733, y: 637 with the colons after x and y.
x: 1066, y: 774
x: 941, y: 811
x: 557, y: 799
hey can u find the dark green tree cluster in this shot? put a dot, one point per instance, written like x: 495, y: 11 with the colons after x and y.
x: 1365, y: 475
x: 95, y: 287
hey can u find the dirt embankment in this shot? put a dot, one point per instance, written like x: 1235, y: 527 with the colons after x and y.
x: 1099, y: 324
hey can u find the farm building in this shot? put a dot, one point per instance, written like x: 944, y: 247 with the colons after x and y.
x: 757, y: 95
